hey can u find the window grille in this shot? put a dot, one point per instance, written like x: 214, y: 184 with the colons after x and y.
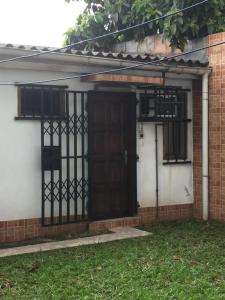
x: 168, y: 106
x: 163, y: 105
x: 36, y: 101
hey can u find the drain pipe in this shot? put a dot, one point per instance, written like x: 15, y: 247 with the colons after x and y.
x: 156, y: 171
x: 205, y: 150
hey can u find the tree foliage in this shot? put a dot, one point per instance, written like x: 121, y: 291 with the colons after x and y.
x: 103, y: 16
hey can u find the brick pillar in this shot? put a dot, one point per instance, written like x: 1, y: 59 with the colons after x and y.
x: 197, y: 140
x: 217, y: 129
x: 216, y: 56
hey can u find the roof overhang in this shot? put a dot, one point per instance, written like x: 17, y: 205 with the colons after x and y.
x: 67, y: 62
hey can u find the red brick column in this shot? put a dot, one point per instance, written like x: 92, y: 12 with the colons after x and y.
x: 217, y: 129
x: 197, y: 141
x: 216, y: 56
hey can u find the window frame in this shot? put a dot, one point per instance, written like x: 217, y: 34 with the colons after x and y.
x: 179, y: 135
x: 61, y: 89
x: 178, y: 141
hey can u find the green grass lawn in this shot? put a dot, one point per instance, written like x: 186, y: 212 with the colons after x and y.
x: 180, y: 261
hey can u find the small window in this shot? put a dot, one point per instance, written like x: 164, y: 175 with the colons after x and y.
x: 175, y: 131
x: 40, y: 101
x: 162, y: 105
x: 175, y: 141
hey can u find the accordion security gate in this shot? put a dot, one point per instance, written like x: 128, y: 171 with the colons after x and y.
x: 64, y: 145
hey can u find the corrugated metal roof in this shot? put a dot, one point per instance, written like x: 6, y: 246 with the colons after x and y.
x: 185, y: 60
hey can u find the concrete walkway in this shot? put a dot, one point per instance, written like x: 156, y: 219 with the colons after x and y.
x: 117, y: 234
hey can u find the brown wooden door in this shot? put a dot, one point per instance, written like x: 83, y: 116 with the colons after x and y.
x: 112, y: 154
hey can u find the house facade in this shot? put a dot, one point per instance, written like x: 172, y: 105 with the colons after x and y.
x: 111, y: 149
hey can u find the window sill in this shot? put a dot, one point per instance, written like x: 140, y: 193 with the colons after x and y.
x: 163, y: 120
x: 179, y: 162
x: 25, y: 118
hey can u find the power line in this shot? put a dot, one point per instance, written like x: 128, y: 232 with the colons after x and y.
x: 156, y: 62
x: 104, y: 35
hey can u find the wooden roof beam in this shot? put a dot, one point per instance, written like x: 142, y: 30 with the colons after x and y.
x: 118, y: 78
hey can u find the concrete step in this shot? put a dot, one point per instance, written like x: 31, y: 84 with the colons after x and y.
x: 116, y: 235
x: 105, y: 225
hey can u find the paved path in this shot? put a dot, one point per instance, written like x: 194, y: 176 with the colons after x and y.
x: 119, y: 233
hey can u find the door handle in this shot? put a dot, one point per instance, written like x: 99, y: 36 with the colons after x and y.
x: 125, y: 157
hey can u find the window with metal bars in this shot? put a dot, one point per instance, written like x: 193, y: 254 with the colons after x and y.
x: 168, y: 105
x: 163, y: 105
x: 175, y: 141
x: 41, y: 101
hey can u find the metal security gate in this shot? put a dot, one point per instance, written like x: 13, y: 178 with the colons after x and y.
x: 64, y: 147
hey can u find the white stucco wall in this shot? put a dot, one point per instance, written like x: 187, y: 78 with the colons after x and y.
x: 20, y: 160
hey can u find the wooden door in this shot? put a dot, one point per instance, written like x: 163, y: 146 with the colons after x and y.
x: 112, y: 154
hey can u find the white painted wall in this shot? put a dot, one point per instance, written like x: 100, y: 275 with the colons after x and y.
x: 20, y: 161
